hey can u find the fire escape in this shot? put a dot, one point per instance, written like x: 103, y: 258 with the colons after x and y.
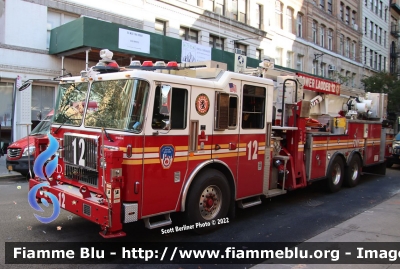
x: 394, y: 46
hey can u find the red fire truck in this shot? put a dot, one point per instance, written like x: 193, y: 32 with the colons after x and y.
x: 202, y: 140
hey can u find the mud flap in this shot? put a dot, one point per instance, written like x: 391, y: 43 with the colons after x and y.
x: 379, y: 169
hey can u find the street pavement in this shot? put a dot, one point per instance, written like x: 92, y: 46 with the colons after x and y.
x: 378, y: 224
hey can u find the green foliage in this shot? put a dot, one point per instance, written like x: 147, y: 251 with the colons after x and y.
x: 385, y: 83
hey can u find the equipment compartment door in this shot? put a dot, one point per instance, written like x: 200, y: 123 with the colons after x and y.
x: 252, y: 124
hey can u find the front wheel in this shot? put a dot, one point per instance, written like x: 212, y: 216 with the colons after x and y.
x: 335, y: 175
x: 353, y: 171
x: 208, y: 200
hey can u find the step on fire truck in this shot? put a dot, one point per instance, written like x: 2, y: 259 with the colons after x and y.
x: 201, y: 140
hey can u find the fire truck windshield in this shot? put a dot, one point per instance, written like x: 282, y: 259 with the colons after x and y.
x: 70, y: 103
x: 121, y: 104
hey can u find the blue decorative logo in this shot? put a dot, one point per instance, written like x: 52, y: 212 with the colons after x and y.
x: 167, y: 154
x: 50, y: 167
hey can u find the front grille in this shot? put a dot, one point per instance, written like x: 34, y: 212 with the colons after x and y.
x: 82, y: 174
x: 13, y: 153
x: 81, y: 150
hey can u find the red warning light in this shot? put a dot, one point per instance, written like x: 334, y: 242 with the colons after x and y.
x: 147, y: 63
x: 172, y: 64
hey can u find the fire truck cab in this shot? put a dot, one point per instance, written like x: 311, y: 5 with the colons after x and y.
x: 202, y: 140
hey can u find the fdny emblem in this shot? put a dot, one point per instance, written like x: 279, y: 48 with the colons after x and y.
x: 202, y: 104
x: 167, y: 154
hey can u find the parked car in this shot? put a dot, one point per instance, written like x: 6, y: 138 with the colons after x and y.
x: 18, y: 152
x: 395, y: 157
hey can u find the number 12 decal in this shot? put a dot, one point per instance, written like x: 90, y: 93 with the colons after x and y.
x: 82, y: 146
x: 255, y: 148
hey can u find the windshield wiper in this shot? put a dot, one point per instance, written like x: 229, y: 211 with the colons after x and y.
x: 107, y: 135
x: 61, y: 125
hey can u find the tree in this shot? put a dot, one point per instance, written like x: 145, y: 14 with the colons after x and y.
x: 385, y: 83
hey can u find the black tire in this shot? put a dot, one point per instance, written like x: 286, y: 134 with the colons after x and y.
x: 335, y: 175
x: 353, y: 171
x: 389, y: 163
x: 208, y: 200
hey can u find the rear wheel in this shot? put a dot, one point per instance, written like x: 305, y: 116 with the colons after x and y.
x: 208, y: 200
x: 353, y: 171
x: 335, y: 175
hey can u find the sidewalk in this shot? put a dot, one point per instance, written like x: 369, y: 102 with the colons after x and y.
x: 379, y: 224
x: 4, y: 173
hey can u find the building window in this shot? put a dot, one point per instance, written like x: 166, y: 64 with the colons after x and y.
x: 322, y: 4
x: 242, y: 47
x: 365, y: 26
x: 380, y: 35
x: 330, y: 6
x: 6, y: 100
x: 323, y: 70
x: 239, y: 10
x: 371, y: 57
x: 376, y: 6
x: 371, y: 26
x: 366, y: 3
x: 55, y: 19
x: 314, y: 31
x: 385, y: 14
x: 384, y: 64
x: 371, y: 4
x: 347, y: 19
x: 216, y: 42
x: 376, y: 33
x: 384, y: 39
x: 159, y: 27
x: 278, y: 14
x: 188, y: 34
x: 322, y: 36
x: 289, y: 20
x: 353, y: 80
x: 330, y: 39
x: 353, y: 18
x: 380, y: 63
x: 347, y: 48
x: 348, y: 78
x: 341, y: 11
x: 365, y: 55
x: 314, y: 68
x: 219, y: 7
x: 278, y: 57
x: 289, y: 59
x: 299, y: 25
x: 353, y: 51
x: 259, y: 54
x: 380, y: 9
x: 376, y: 61
x: 259, y: 15
x: 341, y: 37
x: 299, y: 64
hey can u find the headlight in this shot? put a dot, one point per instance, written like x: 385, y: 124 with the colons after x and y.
x: 28, y: 151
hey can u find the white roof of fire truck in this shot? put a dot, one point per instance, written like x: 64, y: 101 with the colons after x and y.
x: 201, y: 76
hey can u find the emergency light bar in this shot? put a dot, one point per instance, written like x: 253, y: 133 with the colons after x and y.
x: 149, y: 65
